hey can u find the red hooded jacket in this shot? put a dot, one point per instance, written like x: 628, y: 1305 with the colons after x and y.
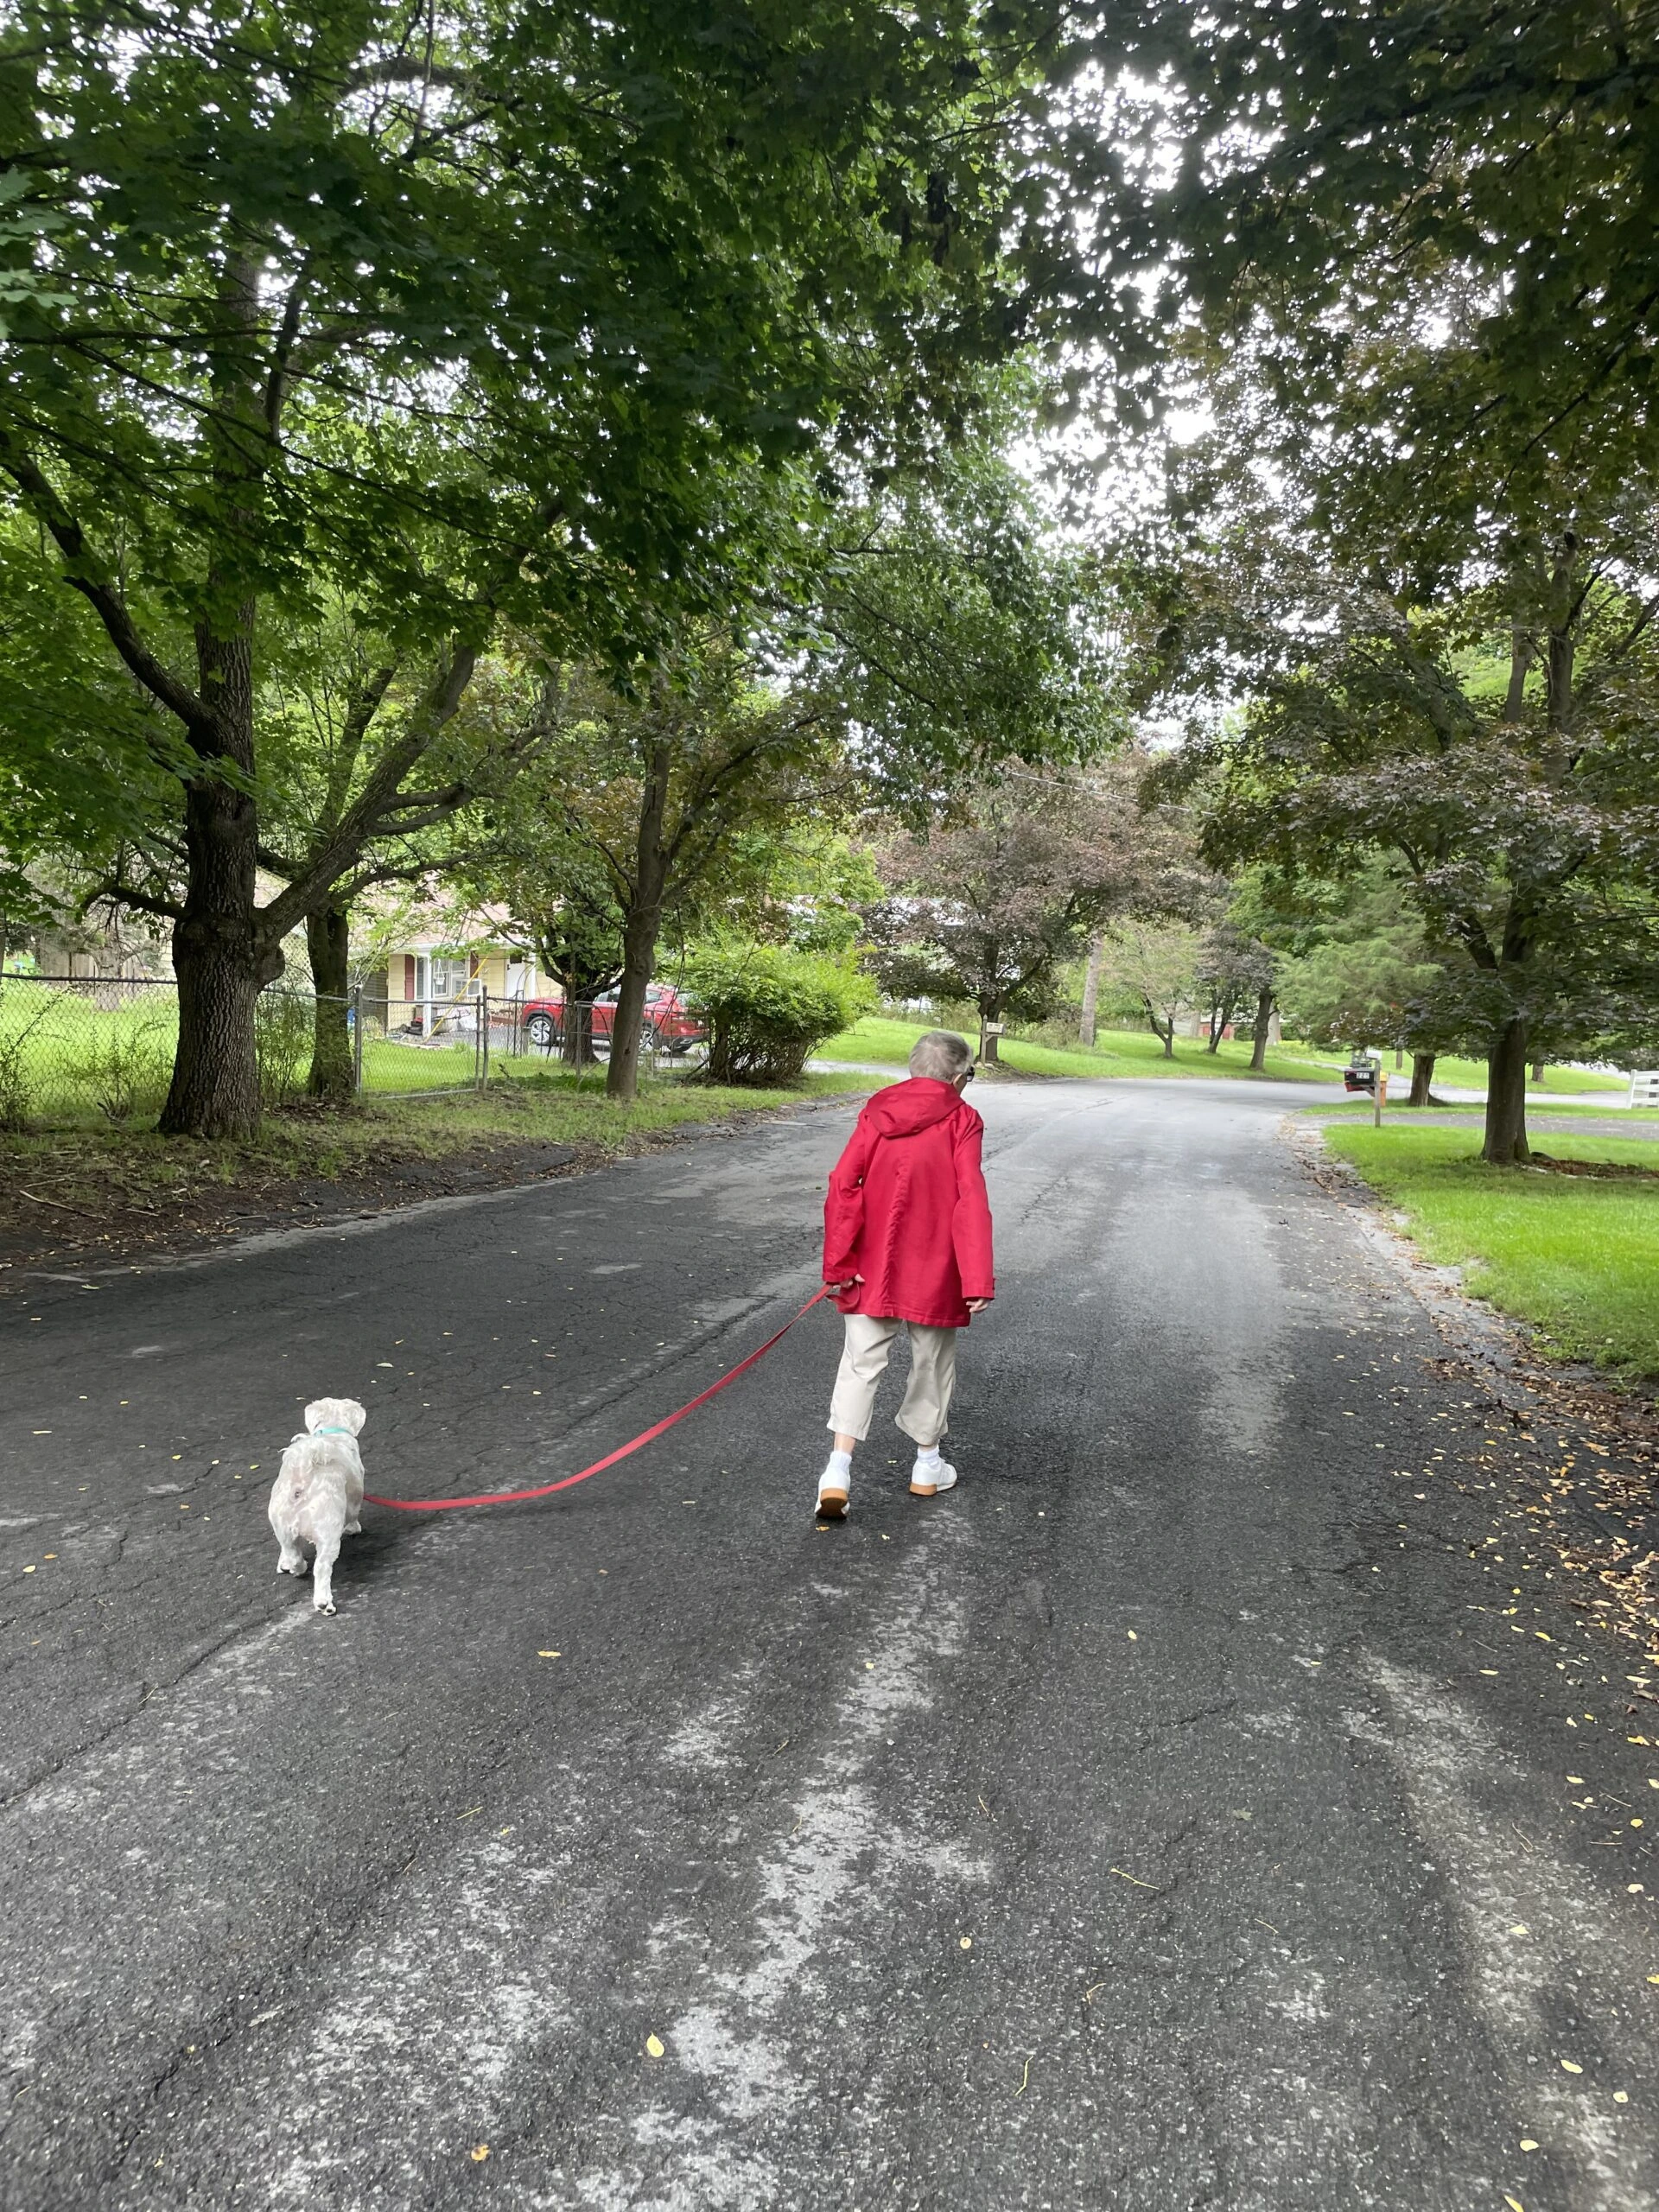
x: 907, y: 1209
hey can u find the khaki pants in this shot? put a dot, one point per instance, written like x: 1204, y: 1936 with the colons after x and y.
x: 923, y: 1415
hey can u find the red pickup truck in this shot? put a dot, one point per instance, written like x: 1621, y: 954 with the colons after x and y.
x: 669, y: 1024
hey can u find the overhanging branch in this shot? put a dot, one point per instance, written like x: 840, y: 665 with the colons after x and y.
x: 157, y: 679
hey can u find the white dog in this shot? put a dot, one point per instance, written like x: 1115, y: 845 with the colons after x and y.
x: 318, y: 1493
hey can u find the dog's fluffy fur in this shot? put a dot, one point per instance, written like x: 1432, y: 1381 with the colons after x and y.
x: 318, y: 1493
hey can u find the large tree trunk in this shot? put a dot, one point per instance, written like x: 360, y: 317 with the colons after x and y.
x: 578, y: 989
x: 1520, y: 661
x: 328, y: 943
x: 220, y: 967
x: 639, y: 959
x: 576, y: 1030
x: 1422, y: 1079
x: 1505, y: 1144
x: 1091, y: 992
x: 220, y: 964
x: 1263, y: 1023
x: 643, y: 920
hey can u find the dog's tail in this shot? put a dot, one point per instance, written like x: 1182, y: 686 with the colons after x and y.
x: 301, y: 1462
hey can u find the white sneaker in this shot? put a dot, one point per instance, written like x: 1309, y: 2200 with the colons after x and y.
x: 928, y: 1478
x: 833, y: 1492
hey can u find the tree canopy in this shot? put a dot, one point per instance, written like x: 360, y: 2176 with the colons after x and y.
x: 498, y: 317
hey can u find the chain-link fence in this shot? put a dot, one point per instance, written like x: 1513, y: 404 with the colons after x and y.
x: 100, y: 1049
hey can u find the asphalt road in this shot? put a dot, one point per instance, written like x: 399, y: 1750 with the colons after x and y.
x: 1175, y: 1816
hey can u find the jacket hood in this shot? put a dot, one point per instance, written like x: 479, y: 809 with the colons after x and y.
x: 904, y: 1109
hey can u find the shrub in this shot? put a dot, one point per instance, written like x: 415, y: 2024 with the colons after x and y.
x: 767, y: 1005
x: 18, y: 1059
x: 123, y: 1072
x: 1059, y: 1030
x: 16, y: 1090
x: 282, y: 1026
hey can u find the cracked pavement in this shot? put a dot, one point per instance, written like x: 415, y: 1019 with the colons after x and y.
x: 1177, y: 1816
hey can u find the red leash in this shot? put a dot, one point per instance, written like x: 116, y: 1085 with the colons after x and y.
x: 645, y: 1436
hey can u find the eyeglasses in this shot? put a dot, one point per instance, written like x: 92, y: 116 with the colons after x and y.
x: 971, y: 1072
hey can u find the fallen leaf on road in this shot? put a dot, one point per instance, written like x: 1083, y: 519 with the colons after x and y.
x: 549, y: 1654
x: 479, y: 2152
x: 1621, y: 2096
x: 1526, y: 2143
x: 1571, y: 2066
x: 1514, y: 2203
x: 1135, y: 1879
x: 654, y: 2047
x: 966, y: 1942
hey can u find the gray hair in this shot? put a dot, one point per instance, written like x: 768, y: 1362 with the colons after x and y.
x: 941, y: 1054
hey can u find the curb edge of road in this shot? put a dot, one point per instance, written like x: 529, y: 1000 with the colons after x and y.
x: 364, y: 1223
x: 1486, y: 1339
x: 1492, y: 1342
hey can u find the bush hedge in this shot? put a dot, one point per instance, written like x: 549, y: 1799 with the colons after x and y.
x: 766, y: 1006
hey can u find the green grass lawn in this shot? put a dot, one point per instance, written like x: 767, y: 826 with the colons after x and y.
x: 94, y: 1054
x: 1574, y: 1258
x: 1470, y: 1075
x: 1360, y: 1108
x: 78, y: 1165
x: 102, y: 1055
x: 884, y: 1042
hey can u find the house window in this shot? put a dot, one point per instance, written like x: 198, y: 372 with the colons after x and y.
x: 449, y: 977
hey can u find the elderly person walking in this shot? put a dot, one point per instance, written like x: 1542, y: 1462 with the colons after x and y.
x: 906, y: 1245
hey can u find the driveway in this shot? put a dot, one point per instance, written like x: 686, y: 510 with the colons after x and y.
x: 1201, y: 1807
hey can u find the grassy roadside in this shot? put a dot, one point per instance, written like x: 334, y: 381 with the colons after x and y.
x: 109, y: 1192
x: 885, y: 1043
x: 1470, y: 1075
x: 1428, y: 1117
x: 1571, y: 1253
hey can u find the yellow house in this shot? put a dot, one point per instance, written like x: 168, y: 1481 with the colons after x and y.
x: 440, y: 961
